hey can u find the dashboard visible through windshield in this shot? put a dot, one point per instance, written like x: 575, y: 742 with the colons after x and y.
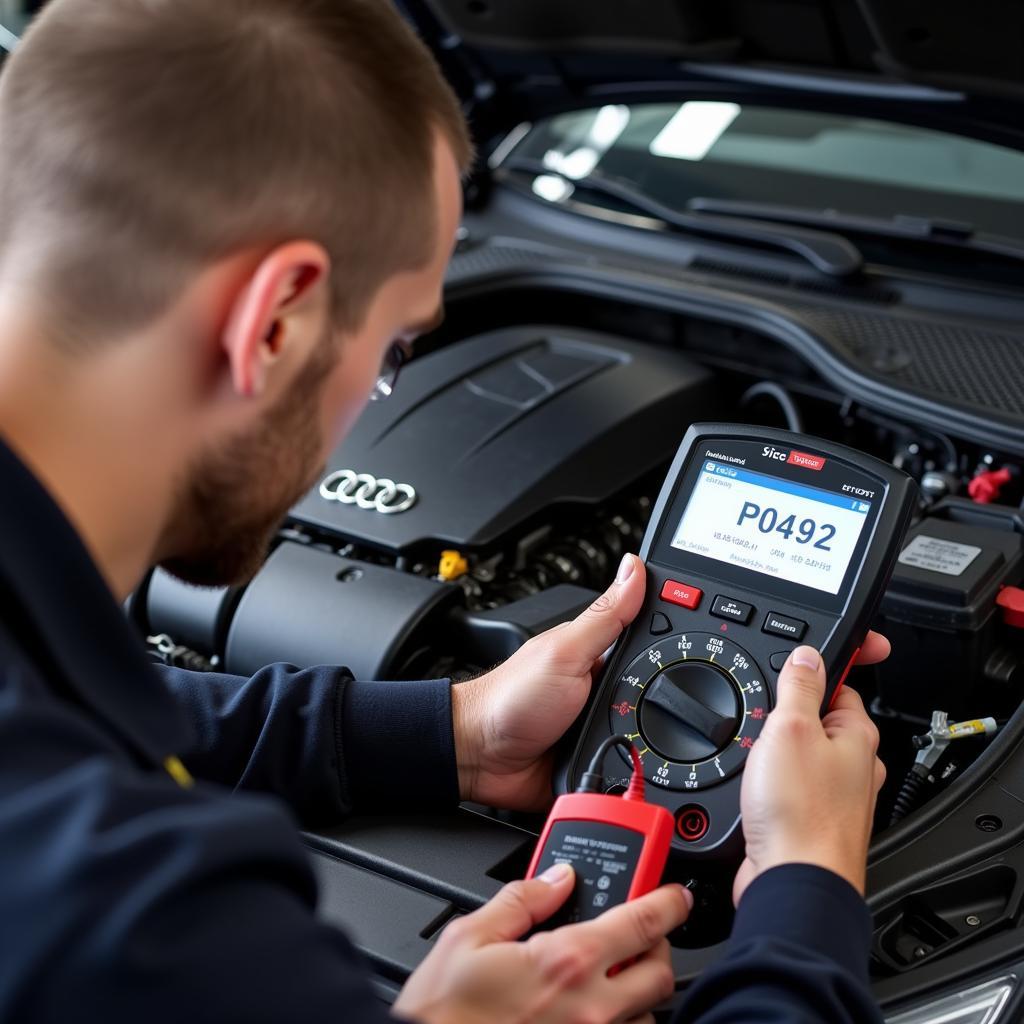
x: 790, y: 165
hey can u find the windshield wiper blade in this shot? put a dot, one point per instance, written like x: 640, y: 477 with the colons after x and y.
x: 829, y: 253
x: 937, y: 231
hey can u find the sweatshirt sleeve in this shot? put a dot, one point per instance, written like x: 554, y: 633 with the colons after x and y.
x: 798, y: 955
x: 324, y: 743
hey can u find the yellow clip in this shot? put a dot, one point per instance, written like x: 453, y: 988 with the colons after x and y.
x: 452, y: 566
x: 178, y: 772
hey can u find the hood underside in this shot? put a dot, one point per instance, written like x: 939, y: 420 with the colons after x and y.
x: 934, y: 62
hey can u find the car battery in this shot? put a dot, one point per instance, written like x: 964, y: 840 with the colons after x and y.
x: 954, y: 614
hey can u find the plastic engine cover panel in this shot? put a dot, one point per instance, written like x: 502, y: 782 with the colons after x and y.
x: 494, y: 430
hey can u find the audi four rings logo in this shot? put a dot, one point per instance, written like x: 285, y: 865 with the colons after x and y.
x: 369, y: 492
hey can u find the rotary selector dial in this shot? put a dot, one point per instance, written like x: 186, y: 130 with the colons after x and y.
x: 693, y: 704
x: 690, y: 711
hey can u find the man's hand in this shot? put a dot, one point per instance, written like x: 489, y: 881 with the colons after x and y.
x: 810, y: 784
x: 507, y: 721
x: 478, y: 974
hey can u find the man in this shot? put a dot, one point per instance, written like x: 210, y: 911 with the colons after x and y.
x: 222, y: 222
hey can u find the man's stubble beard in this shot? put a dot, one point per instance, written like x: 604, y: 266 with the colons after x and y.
x: 236, y: 496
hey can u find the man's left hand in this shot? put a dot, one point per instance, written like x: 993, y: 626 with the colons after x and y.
x: 507, y: 721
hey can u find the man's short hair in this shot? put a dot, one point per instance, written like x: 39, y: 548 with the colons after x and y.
x: 143, y: 139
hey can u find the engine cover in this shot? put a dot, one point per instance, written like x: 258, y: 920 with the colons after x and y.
x: 495, y: 430
x: 310, y: 607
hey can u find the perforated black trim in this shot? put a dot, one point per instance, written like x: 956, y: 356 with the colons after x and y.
x: 958, y: 362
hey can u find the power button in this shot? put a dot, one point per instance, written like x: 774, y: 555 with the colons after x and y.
x: 692, y: 823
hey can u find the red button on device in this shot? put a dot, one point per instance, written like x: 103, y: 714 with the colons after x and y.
x: 681, y: 594
x: 692, y: 823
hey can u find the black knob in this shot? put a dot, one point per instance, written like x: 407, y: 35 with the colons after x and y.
x: 690, y: 712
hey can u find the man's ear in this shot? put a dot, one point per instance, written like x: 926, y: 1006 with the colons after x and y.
x: 262, y: 323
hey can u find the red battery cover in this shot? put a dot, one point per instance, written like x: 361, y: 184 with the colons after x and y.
x: 652, y: 821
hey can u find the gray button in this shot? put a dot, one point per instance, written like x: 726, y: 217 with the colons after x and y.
x: 727, y: 608
x: 780, y: 625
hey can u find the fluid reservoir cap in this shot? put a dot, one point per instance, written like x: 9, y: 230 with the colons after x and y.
x: 452, y: 565
x: 1011, y: 600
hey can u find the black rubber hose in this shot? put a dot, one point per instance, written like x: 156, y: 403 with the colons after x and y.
x: 911, y: 794
x: 794, y: 421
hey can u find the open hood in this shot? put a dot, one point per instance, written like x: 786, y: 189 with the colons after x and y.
x: 937, y: 63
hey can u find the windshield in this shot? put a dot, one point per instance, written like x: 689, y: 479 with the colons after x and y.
x: 676, y: 153
x: 13, y: 16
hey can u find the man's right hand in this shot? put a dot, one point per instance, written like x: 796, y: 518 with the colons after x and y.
x: 810, y: 784
x: 477, y: 972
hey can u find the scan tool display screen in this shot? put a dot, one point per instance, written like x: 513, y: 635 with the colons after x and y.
x: 776, y: 527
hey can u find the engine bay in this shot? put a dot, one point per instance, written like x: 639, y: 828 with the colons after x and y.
x: 493, y: 497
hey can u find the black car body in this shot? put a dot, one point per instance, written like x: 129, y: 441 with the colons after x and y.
x: 601, y: 298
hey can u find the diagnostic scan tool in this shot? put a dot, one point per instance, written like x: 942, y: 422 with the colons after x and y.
x: 760, y: 540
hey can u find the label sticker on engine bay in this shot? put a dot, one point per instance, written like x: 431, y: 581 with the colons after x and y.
x: 938, y: 555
